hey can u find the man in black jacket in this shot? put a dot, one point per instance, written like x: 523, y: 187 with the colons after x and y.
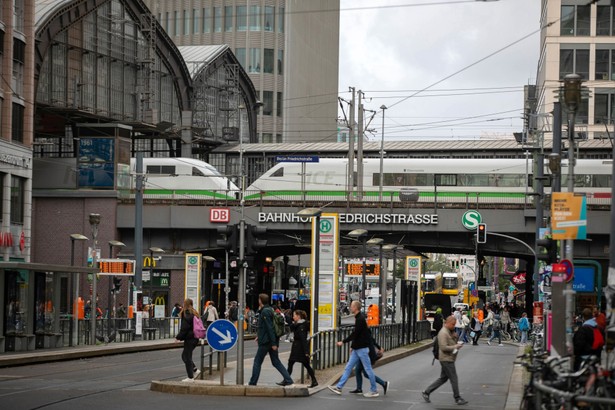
x: 268, y: 343
x: 361, y: 339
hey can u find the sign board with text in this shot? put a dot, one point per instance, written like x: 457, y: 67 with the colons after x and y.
x: 192, y: 288
x: 328, y: 232
x: 568, y: 215
x: 413, y: 268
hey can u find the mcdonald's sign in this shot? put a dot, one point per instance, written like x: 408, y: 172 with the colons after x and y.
x: 160, y: 300
x: 149, y: 262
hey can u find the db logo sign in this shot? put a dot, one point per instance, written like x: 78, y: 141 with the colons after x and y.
x: 222, y: 215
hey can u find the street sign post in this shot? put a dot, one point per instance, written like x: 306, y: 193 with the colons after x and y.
x: 221, y: 336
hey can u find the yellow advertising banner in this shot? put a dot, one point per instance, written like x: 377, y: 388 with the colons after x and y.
x: 568, y: 215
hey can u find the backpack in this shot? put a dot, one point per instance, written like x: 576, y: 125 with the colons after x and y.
x: 497, y: 325
x: 435, y: 350
x: 598, y: 339
x: 278, y: 324
x: 197, y: 327
x: 524, y: 324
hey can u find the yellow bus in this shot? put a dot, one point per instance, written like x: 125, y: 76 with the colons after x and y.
x: 452, y: 283
x: 432, y: 283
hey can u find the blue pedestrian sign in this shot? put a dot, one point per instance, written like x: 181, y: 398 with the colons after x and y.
x: 221, y: 335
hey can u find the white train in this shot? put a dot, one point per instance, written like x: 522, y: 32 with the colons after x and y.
x: 183, y: 178
x: 444, y: 180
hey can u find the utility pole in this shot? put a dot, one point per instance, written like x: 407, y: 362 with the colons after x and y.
x: 360, y: 149
x: 351, y: 146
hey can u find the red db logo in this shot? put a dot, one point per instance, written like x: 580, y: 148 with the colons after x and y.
x: 222, y: 215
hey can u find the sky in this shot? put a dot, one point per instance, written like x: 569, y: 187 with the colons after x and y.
x: 394, y: 49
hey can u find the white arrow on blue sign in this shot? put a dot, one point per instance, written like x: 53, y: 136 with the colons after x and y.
x: 222, y: 335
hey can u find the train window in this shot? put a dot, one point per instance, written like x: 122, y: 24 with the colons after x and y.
x: 278, y: 172
x: 161, y: 169
x: 476, y: 180
x: 446, y: 180
x: 601, y: 181
x: 197, y: 172
x: 511, y: 180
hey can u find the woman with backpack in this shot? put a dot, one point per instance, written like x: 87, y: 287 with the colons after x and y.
x: 300, y: 350
x: 497, y: 327
x: 186, y: 334
x: 524, y: 327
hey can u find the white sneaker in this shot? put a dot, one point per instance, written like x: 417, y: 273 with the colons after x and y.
x: 197, y: 373
x: 371, y: 394
x: 489, y: 343
x: 500, y: 344
x: 188, y: 380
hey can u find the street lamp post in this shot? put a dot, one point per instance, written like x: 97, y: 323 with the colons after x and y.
x: 315, y: 213
x: 572, y: 99
x: 361, y: 234
x: 94, y: 222
x: 383, y: 108
x: 74, y: 284
x: 382, y: 283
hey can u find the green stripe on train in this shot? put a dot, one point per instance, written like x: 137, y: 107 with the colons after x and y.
x: 191, y: 192
x: 282, y: 194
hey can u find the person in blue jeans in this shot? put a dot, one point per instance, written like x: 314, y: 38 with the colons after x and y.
x: 268, y: 343
x: 361, y: 339
x: 359, y: 372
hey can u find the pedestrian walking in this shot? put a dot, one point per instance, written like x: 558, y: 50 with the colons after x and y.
x: 210, y: 314
x: 438, y: 321
x: 186, y: 334
x: 360, y: 339
x: 466, y: 327
x: 497, y: 327
x: 300, y: 350
x: 176, y: 310
x: 588, y: 340
x: 268, y: 343
x: 505, y: 319
x: 448, y: 349
x: 359, y: 371
x: 524, y: 327
x: 458, y: 322
x: 477, y: 328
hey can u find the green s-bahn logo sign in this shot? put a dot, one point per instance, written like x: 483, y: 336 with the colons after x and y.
x: 471, y: 219
x: 325, y: 226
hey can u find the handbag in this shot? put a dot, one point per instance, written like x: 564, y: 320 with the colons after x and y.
x: 472, y: 334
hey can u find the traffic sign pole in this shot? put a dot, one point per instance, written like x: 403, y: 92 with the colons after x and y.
x: 222, y: 335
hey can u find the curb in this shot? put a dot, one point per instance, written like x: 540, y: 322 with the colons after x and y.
x: 515, y: 387
x: 208, y: 387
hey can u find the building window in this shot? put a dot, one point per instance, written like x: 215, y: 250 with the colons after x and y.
x: 268, y: 61
x: 167, y: 23
x: 267, y: 102
x: 279, y: 106
x: 605, y: 68
x: 280, y: 19
x: 604, y: 21
x: 255, y: 60
x: 280, y: 62
x: 242, y: 18
x: 240, y: 53
x: 19, y: 56
x: 228, y: 18
x: 269, y: 18
x: 574, y: 61
x: 217, y: 19
x: 17, y: 125
x: 176, y: 23
x: 17, y: 197
x: 18, y: 15
x: 195, y: 21
x: 278, y: 138
x: 267, y: 138
x: 255, y: 18
x: 575, y: 21
x: 604, y: 108
x: 186, y: 23
x: 207, y: 20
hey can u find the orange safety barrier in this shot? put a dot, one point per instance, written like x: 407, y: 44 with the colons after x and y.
x: 373, y: 316
x: 130, y: 312
x: 79, y: 308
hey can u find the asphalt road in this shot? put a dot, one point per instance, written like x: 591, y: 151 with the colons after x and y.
x: 122, y: 382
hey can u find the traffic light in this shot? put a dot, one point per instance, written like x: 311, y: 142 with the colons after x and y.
x: 228, y: 238
x: 117, y: 284
x: 251, y: 277
x: 481, y: 233
x: 549, y: 253
x: 254, y: 239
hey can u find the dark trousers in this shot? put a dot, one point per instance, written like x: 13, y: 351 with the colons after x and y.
x: 262, y: 351
x: 448, y: 372
x: 189, y: 346
x: 476, y: 337
x: 306, y: 363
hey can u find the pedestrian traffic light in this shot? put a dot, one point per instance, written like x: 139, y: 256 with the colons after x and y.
x: 549, y: 252
x: 254, y: 239
x: 117, y: 284
x: 228, y: 239
x: 235, y: 278
x: 481, y: 233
